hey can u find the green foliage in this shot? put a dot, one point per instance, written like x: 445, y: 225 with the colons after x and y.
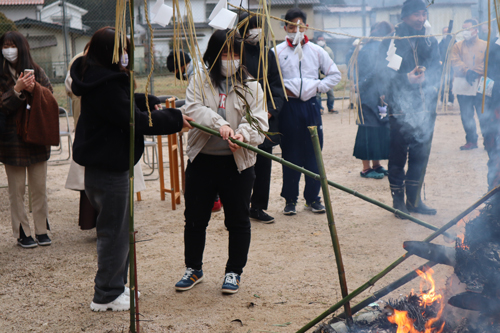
x: 6, y: 24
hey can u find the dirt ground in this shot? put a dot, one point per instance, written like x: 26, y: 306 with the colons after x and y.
x: 291, y: 275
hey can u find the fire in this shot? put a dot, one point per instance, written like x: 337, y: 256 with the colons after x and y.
x: 405, y: 324
x: 461, y: 226
x: 429, y: 297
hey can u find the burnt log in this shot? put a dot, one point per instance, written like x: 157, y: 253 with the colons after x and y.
x: 433, y: 252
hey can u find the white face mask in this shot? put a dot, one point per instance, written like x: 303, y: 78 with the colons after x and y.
x: 254, y: 35
x: 124, y: 60
x: 295, y: 37
x: 321, y: 43
x: 10, y: 54
x: 229, y: 67
x: 468, y: 35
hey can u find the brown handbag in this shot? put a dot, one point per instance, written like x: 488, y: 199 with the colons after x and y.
x: 38, y: 123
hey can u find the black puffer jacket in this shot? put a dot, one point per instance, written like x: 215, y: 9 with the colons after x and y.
x: 102, y: 134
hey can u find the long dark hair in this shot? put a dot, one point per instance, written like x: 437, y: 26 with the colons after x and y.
x: 225, y: 40
x: 100, y: 51
x: 24, y: 60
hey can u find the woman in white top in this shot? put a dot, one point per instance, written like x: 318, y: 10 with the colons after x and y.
x: 216, y: 165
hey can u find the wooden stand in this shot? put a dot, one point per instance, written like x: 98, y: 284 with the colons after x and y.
x: 173, y: 160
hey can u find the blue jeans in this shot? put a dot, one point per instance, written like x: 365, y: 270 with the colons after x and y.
x: 329, y: 101
x: 297, y: 148
x: 108, y: 193
x: 469, y: 104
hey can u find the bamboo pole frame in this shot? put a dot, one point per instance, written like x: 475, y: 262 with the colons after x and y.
x: 331, y: 220
x: 373, y: 280
x: 134, y: 299
x: 317, y: 177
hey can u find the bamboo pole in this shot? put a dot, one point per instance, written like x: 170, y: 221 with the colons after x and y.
x: 388, y: 289
x: 132, y: 279
x: 317, y: 177
x: 389, y: 268
x: 331, y: 219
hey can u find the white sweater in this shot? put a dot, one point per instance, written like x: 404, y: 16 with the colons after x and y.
x: 202, y: 103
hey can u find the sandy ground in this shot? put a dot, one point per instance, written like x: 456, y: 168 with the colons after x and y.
x: 291, y: 276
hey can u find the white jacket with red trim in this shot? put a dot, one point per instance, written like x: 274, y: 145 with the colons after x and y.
x: 301, y: 77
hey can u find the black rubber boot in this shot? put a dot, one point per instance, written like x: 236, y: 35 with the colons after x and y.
x: 414, y: 205
x: 398, y: 202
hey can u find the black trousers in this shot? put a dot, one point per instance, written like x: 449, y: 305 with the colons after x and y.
x: 407, y: 145
x: 262, y: 184
x: 206, y: 176
x: 108, y: 192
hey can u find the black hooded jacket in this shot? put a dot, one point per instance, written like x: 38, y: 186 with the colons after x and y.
x: 102, y: 135
x: 403, y: 97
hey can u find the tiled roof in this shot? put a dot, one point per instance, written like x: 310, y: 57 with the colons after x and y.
x: 47, y: 25
x: 21, y: 2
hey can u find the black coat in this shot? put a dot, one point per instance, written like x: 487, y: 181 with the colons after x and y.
x: 251, y: 61
x: 404, y: 98
x: 368, y: 88
x: 102, y: 135
x: 494, y: 74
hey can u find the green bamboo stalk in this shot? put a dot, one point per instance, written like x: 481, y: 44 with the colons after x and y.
x: 388, y: 289
x: 317, y: 177
x: 131, y: 176
x: 389, y: 268
x: 331, y: 219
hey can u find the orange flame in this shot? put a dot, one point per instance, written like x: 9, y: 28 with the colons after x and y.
x: 405, y: 324
x: 461, y: 226
x: 429, y: 297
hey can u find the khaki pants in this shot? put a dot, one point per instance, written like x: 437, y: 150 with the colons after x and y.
x: 37, y: 177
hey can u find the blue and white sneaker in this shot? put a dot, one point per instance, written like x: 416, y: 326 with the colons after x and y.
x: 190, y: 279
x: 231, y: 283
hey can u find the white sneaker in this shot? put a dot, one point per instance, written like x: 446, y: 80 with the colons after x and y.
x: 122, y: 303
x: 127, y: 292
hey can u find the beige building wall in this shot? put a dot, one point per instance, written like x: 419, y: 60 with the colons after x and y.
x: 343, y: 20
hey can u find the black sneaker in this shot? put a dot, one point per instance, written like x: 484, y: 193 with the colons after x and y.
x: 290, y: 208
x: 43, y: 240
x: 316, y: 207
x: 260, y: 216
x: 26, y: 242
